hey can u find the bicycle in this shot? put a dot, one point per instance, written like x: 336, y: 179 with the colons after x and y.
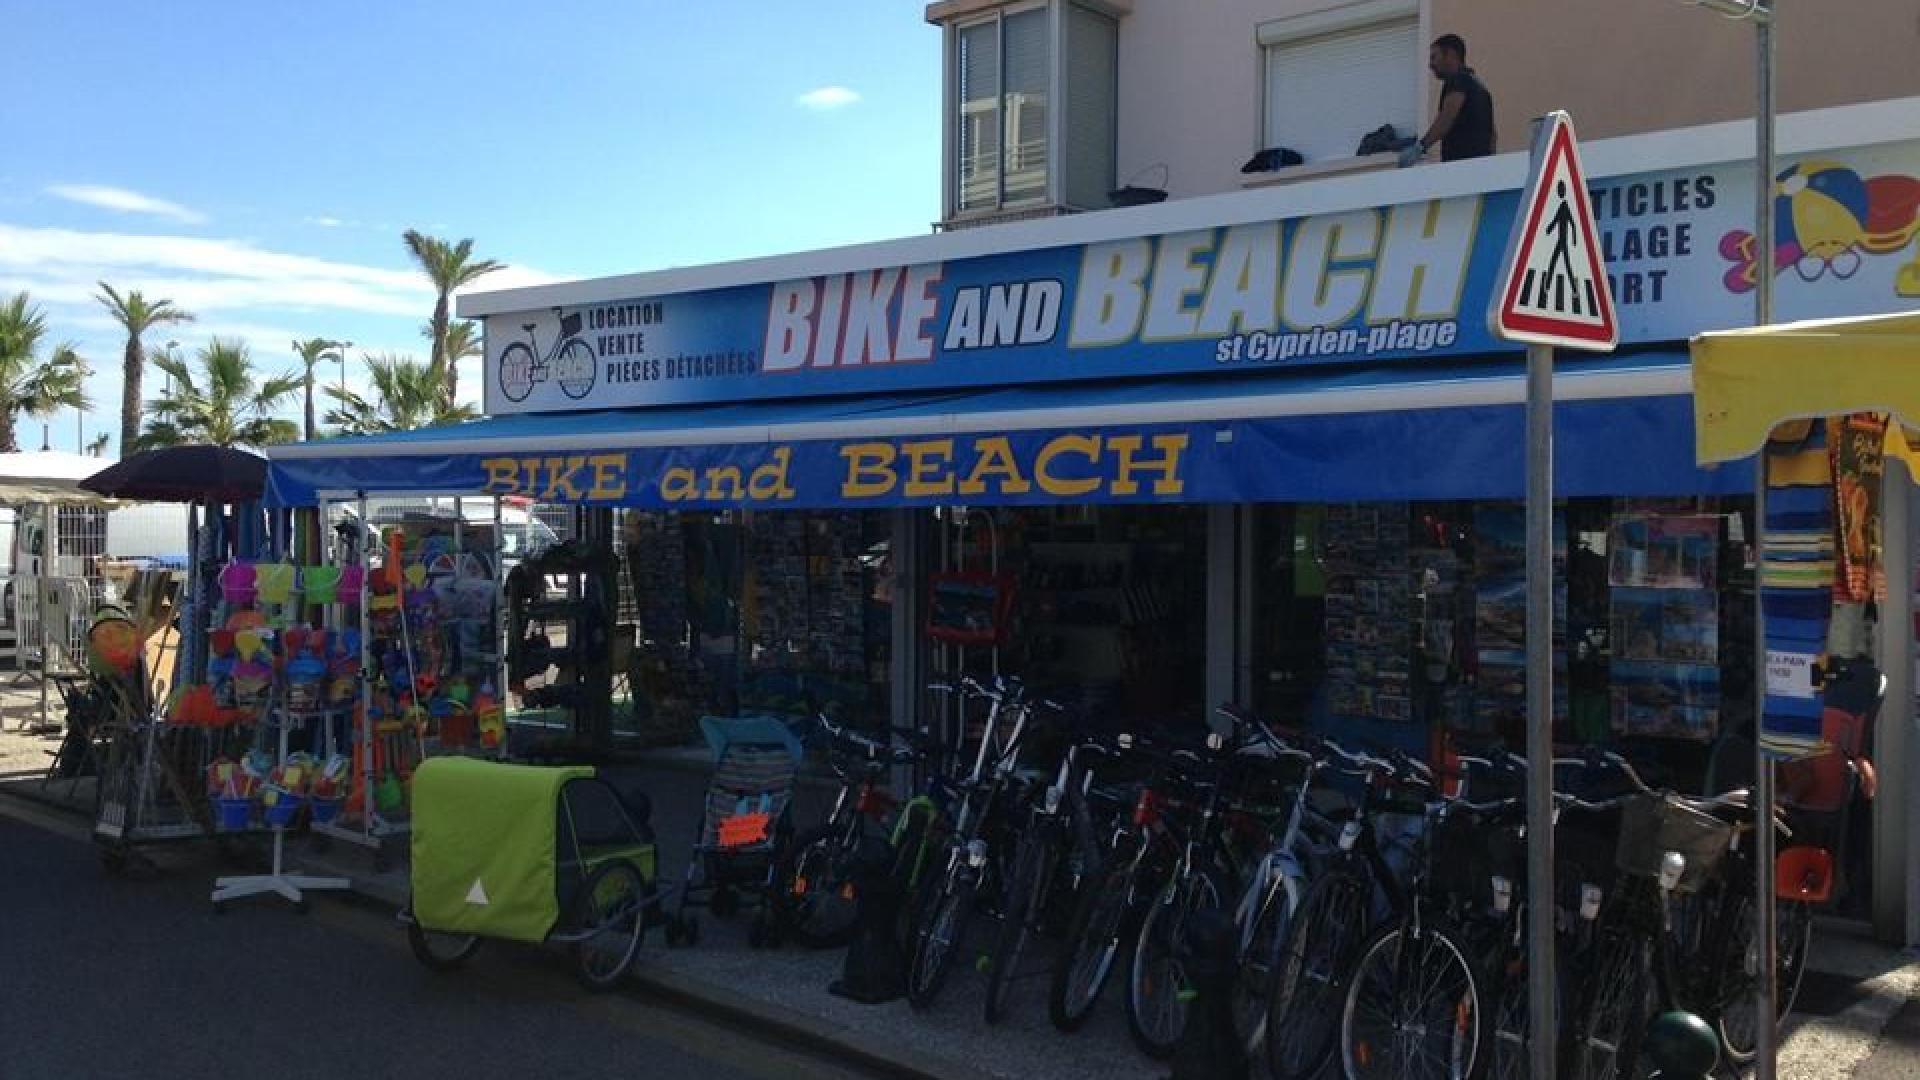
x: 816, y: 876
x: 971, y: 863
x: 1056, y: 838
x: 571, y: 362
x: 1201, y: 877
x: 1413, y: 998
x: 1111, y: 906
x: 1329, y: 929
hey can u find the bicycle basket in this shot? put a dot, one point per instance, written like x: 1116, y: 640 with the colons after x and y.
x: 1652, y: 826
x: 570, y: 324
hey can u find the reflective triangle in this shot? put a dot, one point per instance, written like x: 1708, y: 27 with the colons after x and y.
x: 478, y: 894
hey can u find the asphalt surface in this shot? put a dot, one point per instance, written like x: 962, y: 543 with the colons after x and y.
x: 107, y: 977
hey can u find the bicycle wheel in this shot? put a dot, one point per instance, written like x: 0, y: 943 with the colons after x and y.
x: 1157, y: 980
x: 1260, y: 956
x: 1605, y: 1039
x: 1309, y: 979
x: 1094, y: 939
x: 1507, y: 1050
x: 607, y: 913
x: 918, y: 842
x: 576, y: 369
x: 1412, y: 1008
x: 939, y: 942
x: 815, y: 884
x: 438, y: 951
x: 1734, y: 1010
x: 516, y: 371
x: 1032, y: 865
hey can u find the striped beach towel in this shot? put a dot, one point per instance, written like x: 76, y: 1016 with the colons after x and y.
x: 1796, y: 588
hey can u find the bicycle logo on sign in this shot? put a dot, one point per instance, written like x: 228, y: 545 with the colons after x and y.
x: 570, y: 362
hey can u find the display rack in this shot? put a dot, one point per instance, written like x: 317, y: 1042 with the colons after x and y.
x: 291, y: 885
x: 419, y: 659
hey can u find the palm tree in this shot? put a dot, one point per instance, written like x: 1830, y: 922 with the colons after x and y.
x: 225, y: 403
x: 311, y: 352
x: 27, y: 384
x: 137, y: 315
x: 407, y: 394
x: 449, y: 267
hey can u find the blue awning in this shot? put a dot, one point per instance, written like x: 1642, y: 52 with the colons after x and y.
x: 1624, y: 427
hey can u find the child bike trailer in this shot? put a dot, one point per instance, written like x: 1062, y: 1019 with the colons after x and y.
x: 531, y: 854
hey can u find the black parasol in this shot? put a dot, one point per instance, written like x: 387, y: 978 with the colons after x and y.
x: 183, y: 474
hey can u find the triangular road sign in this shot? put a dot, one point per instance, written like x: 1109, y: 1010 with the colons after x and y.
x: 478, y: 894
x: 1553, y: 286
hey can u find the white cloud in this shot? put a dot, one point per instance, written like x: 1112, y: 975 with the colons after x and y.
x: 327, y: 222
x: 201, y: 275
x: 120, y: 200
x: 827, y: 97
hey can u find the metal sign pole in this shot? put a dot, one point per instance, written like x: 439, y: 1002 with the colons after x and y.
x: 1766, y: 1045
x: 1541, y: 974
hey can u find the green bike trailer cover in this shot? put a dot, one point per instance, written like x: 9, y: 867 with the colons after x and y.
x: 484, y: 847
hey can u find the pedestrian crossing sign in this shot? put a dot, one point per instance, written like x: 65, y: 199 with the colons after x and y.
x: 1553, y: 286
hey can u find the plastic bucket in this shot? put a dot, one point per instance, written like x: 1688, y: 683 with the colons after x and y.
x: 325, y: 810
x: 233, y: 815
x: 285, y: 807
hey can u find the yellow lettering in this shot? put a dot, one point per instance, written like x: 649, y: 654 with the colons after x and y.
x: 869, y: 470
x: 1125, y: 447
x: 678, y: 484
x: 734, y: 488
x: 609, y: 477
x: 560, y: 473
x: 1087, y: 446
x: 925, y: 461
x: 769, y: 481
x: 995, y: 459
x: 503, y: 475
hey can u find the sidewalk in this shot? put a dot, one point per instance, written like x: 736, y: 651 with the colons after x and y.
x: 1852, y: 1024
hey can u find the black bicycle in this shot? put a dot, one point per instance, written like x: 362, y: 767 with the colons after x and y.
x: 571, y: 362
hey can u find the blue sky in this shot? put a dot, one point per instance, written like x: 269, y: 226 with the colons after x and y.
x: 258, y: 162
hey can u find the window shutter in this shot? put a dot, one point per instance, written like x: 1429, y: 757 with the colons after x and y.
x: 1092, y: 61
x: 978, y: 143
x: 1325, y: 93
x: 1025, y: 58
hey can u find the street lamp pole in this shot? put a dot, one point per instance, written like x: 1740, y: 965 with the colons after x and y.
x: 340, y: 354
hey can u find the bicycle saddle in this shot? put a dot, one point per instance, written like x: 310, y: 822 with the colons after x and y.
x: 527, y: 327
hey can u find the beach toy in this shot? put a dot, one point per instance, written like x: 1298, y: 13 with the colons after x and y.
x: 306, y: 674
x: 351, y: 579
x: 320, y: 584
x: 274, y: 583
x: 490, y: 718
x: 232, y: 814
x: 237, y: 584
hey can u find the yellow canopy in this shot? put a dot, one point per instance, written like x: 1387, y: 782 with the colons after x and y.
x: 1747, y: 381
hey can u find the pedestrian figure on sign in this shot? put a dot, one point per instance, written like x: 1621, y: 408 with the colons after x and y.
x: 1565, y: 235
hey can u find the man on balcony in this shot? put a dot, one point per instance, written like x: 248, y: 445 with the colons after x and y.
x: 1464, y: 125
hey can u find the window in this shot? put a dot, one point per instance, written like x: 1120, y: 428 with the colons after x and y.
x: 1003, y: 76
x: 1327, y: 90
x: 1033, y: 98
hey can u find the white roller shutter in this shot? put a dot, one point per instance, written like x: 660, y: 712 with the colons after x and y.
x: 1325, y: 93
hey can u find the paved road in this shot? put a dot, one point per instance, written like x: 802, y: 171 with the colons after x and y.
x: 104, y: 977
